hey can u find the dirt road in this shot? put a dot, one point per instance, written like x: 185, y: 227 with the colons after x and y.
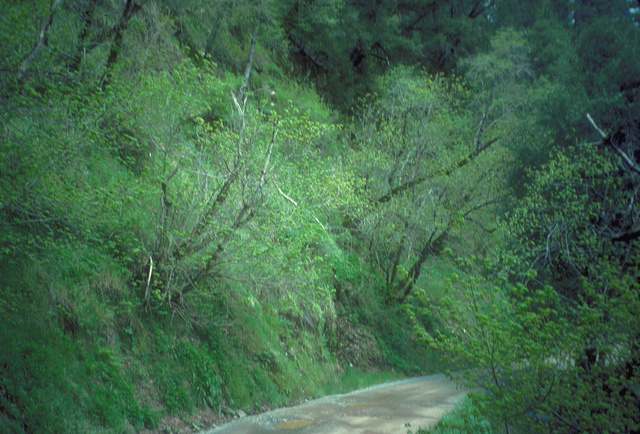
x: 385, y: 408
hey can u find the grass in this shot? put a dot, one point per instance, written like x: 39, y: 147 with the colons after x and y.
x: 82, y: 353
x: 353, y: 379
x: 464, y: 418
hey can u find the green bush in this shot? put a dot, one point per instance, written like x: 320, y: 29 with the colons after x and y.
x: 464, y: 418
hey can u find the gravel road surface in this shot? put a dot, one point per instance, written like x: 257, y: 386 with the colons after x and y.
x: 385, y: 408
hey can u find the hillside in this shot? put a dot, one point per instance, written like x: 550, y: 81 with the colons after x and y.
x: 224, y: 206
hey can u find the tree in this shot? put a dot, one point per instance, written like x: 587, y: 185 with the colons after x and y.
x: 425, y: 168
x: 511, y: 343
x: 353, y: 42
x: 556, y: 348
x: 549, y: 331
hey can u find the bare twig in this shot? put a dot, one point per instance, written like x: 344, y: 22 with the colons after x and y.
x: 146, y: 293
x: 240, y: 109
x: 286, y: 197
x: 321, y: 225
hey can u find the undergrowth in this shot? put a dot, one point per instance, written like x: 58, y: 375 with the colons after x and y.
x: 464, y: 418
x: 81, y: 353
x: 92, y: 339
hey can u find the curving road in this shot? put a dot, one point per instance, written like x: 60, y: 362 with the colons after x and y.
x: 385, y: 408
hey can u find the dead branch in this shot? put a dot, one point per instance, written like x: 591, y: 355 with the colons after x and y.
x: 593, y: 124
x: 627, y: 160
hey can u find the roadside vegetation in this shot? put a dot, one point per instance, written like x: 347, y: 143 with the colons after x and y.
x: 210, y: 208
x: 465, y: 418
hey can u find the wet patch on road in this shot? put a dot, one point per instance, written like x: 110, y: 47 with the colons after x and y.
x: 294, y: 423
x: 360, y: 404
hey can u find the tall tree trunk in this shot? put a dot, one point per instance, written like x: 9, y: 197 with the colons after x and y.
x: 432, y: 246
x: 208, y: 50
x: 247, y: 70
x: 87, y: 23
x: 42, y: 36
x: 130, y: 8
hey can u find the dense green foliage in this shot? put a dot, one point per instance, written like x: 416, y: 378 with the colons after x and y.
x: 209, y: 206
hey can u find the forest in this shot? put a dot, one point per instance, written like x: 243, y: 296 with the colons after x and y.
x: 216, y: 207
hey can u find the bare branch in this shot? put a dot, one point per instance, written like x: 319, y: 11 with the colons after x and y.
x: 593, y: 124
x: 147, y: 293
x: 438, y: 172
x: 286, y: 197
x: 627, y: 160
x: 632, y: 165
